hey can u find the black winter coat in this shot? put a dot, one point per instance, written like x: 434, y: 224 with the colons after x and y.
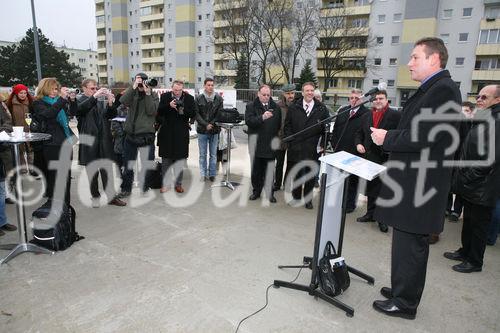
x: 353, y: 125
x: 93, y: 119
x: 207, y: 113
x: 304, y: 147
x: 411, y: 213
x: 44, y: 112
x: 173, y: 135
x: 266, y: 130
x: 477, y: 184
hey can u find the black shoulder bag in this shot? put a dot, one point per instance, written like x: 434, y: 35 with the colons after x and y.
x: 333, y: 275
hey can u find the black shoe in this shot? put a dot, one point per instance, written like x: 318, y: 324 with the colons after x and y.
x: 212, y: 178
x: 9, y: 201
x: 8, y: 227
x: 254, y: 196
x: 466, y: 267
x: 350, y: 210
x: 272, y: 199
x: 454, y: 256
x: 433, y: 238
x: 386, y: 292
x: 309, y: 205
x: 388, y: 307
x: 453, y: 217
x: 365, y: 218
x: 383, y: 227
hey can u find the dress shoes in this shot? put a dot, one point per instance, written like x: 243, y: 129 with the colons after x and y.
x: 383, y: 227
x: 9, y: 201
x: 179, y: 189
x: 350, y: 210
x: 365, y: 218
x: 386, y: 292
x: 212, y: 178
x: 389, y: 308
x: 8, y: 227
x: 454, y: 256
x: 309, y: 205
x: 254, y: 196
x: 433, y: 238
x: 117, y: 202
x: 272, y: 199
x: 453, y: 217
x: 467, y: 267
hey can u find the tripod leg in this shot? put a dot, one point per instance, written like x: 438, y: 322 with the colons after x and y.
x: 335, y: 302
x: 296, y: 266
x: 362, y: 275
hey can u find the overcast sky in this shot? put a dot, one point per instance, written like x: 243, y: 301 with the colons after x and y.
x: 69, y: 22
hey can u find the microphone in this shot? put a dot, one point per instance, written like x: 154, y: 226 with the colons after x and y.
x: 373, y: 91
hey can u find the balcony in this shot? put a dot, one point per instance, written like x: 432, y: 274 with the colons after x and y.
x: 488, y: 49
x: 225, y: 72
x: 103, y: 74
x: 101, y: 38
x: 152, y: 17
x: 155, y: 31
x: 150, y: 60
x: 155, y: 74
x: 352, y: 53
x: 228, y: 5
x: 153, y: 46
x: 347, y: 11
x: 101, y: 50
x: 99, y: 12
x: 100, y: 25
x: 351, y: 32
x: 102, y: 62
x: 225, y: 23
x: 350, y: 73
x: 486, y: 75
x: 493, y: 23
x: 151, y: 3
x: 99, y: 1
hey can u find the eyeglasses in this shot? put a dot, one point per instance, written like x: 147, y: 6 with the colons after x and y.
x: 92, y: 88
x: 482, y: 97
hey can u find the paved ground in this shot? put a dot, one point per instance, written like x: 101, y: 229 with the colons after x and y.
x: 202, y: 268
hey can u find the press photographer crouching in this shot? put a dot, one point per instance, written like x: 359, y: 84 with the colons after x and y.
x: 95, y: 109
x: 139, y: 129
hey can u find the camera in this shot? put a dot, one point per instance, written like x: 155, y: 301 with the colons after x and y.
x: 150, y: 83
x: 179, y: 103
x: 76, y: 91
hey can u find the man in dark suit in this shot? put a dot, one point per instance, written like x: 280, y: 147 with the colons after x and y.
x: 413, y: 199
x: 305, y: 112
x: 381, y: 116
x: 344, y: 130
x: 263, y: 118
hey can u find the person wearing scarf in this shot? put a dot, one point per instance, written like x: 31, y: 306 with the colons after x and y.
x: 381, y: 116
x: 52, y: 107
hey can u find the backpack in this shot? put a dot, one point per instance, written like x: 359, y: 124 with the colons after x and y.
x: 57, y: 233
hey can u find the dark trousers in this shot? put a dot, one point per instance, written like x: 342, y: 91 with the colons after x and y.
x: 454, y: 206
x: 258, y: 175
x: 307, y: 187
x: 477, y: 219
x: 494, y: 228
x: 408, y: 268
x: 94, y: 183
x: 278, y: 174
x: 52, y: 153
x: 352, y: 192
x: 171, y: 166
x: 130, y: 151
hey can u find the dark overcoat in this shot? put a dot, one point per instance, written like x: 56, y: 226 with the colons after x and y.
x: 345, y: 128
x: 94, y: 120
x: 413, y: 212
x: 266, y: 130
x: 304, y: 146
x: 173, y: 135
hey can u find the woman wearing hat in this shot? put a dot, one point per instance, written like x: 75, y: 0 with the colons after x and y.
x: 19, y: 104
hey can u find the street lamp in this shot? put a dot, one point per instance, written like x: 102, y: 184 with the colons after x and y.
x: 37, y: 48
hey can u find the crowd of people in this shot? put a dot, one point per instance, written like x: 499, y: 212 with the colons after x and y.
x: 115, y: 128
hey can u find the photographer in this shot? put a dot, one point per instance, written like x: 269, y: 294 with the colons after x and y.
x: 139, y: 128
x: 209, y: 105
x: 174, y: 111
x: 95, y: 108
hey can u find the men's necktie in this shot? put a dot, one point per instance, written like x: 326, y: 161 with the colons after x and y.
x: 266, y: 108
x: 307, y: 110
x: 352, y: 113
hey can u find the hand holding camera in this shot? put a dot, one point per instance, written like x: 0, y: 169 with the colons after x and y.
x: 268, y: 114
x: 64, y: 92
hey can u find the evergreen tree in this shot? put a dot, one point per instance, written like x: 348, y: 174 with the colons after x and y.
x: 242, y: 79
x: 307, y: 75
x: 18, y: 63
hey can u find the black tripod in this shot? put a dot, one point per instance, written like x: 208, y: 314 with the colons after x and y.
x: 312, y: 262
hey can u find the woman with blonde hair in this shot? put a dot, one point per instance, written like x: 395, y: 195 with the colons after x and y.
x: 52, y: 109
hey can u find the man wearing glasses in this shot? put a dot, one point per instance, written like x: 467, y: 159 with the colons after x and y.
x: 478, y: 186
x: 344, y: 130
x: 95, y: 108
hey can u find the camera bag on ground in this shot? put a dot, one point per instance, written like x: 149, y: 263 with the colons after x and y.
x: 333, y: 275
x: 54, y: 231
x: 229, y: 116
x: 153, y: 176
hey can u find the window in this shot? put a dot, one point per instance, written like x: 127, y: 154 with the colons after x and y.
x: 447, y: 13
x: 381, y: 19
x: 208, y: 16
x: 393, y: 61
x: 445, y: 38
x: 199, y: 48
x: 467, y: 12
x: 136, y: 52
x: 463, y: 37
x: 199, y: 63
x: 459, y: 61
x: 208, y: 63
x: 208, y: 32
x: 487, y: 63
x: 380, y: 40
x: 491, y: 13
x: 169, y: 65
x: 207, y: 48
x: 397, y: 17
x: 395, y: 40
x: 169, y: 36
x: 170, y: 79
x: 199, y: 79
x: 131, y: 40
x: 333, y: 83
x: 351, y: 83
x: 199, y: 17
x: 375, y: 82
x: 131, y: 54
x: 390, y: 83
x: 377, y: 61
x: 199, y: 32
x: 145, y: 11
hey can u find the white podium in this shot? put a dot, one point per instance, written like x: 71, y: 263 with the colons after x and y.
x: 331, y: 218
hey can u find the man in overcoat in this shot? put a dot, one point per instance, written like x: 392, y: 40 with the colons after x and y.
x: 419, y: 183
x: 174, y: 111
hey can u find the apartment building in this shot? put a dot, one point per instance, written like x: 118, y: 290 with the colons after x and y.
x: 85, y: 60
x: 165, y: 39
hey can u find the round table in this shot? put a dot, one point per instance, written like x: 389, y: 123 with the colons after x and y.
x: 227, y: 182
x: 23, y: 245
